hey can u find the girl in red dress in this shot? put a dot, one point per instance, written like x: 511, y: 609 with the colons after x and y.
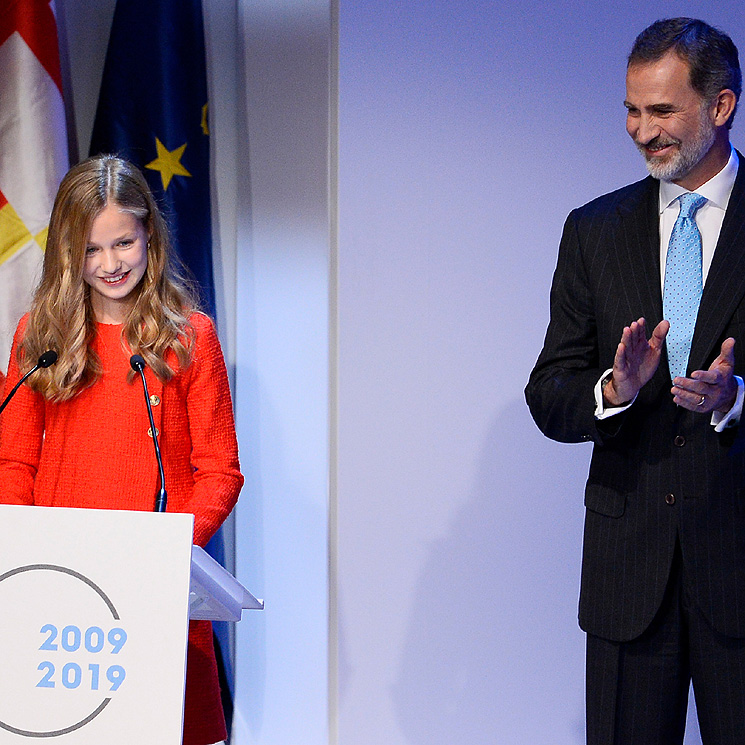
x: 77, y: 433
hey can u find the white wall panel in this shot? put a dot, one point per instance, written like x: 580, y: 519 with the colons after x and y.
x: 282, y: 384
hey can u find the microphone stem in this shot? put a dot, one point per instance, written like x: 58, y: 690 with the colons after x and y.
x: 16, y: 387
x: 162, y: 499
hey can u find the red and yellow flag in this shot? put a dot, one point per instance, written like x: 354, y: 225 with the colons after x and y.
x: 33, y: 151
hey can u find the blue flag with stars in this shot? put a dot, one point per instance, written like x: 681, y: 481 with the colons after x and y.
x: 152, y: 110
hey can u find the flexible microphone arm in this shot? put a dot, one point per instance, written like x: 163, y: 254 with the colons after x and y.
x: 46, y: 360
x: 138, y: 365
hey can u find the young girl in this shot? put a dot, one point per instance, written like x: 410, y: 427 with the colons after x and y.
x: 77, y: 433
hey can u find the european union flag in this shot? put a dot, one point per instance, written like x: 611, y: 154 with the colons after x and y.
x: 152, y: 110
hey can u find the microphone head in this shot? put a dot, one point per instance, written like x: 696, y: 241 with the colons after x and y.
x: 137, y: 363
x: 47, y: 359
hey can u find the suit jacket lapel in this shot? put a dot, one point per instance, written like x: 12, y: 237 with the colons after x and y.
x: 640, y: 251
x: 725, y: 283
x: 640, y: 215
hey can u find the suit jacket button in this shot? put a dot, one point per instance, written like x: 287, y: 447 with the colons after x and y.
x: 670, y: 498
x: 679, y: 441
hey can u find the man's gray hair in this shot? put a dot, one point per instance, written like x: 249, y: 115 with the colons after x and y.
x: 709, y: 52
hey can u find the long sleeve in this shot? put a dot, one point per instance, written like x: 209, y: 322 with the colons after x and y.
x: 214, y: 456
x: 21, y: 435
x: 560, y: 389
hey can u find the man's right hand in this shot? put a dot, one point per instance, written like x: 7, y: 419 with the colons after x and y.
x: 636, y: 361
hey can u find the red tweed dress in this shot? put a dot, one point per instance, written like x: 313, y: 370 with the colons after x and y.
x: 95, y: 451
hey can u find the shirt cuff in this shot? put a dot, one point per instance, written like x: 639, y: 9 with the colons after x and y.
x: 602, y: 410
x: 721, y: 421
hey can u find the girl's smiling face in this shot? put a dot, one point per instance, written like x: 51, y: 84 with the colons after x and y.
x: 115, y: 262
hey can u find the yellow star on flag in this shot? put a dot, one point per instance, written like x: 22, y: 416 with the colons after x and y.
x: 168, y: 163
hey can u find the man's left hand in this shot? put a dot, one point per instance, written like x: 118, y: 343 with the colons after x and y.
x: 709, y: 390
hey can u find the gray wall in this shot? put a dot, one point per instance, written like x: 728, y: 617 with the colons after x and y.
x: 468, y: 131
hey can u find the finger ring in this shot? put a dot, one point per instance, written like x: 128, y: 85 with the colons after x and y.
x: 702, y: 401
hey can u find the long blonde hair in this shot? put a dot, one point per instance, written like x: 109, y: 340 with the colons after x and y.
x: 61, y: 316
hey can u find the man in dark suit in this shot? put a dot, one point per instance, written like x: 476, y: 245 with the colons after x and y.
x: 663, y: 571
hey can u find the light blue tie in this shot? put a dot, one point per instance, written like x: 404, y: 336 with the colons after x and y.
x: 683, y: 283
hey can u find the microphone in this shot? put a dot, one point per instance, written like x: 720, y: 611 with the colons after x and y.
x: 138, y: 365
x: 46, y: 360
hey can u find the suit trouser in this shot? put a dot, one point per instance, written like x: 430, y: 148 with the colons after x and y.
x: 637, y: 691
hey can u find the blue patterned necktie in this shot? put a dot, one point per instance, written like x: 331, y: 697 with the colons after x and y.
x: 683, y: 283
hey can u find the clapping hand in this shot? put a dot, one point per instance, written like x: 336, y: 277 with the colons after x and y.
x: 636, y: 361
x: 709, y: 390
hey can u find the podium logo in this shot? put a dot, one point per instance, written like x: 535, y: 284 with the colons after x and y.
x: 63, y: 651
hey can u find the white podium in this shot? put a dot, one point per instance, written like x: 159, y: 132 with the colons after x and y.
x: 94, y: 611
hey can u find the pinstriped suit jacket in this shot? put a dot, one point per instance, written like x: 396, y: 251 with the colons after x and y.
x: 607, y: 275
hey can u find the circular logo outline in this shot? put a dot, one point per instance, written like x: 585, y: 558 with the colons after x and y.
x: 114, y: 613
